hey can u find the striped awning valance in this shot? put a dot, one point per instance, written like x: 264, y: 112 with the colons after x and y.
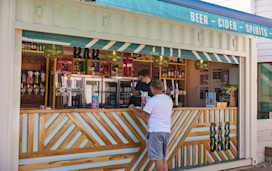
x: 125, y: 47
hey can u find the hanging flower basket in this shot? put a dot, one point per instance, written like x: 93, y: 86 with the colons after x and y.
x: 201, y: 65
x: 160, y: 61
x: 53, y: 51
x: 114, y: 57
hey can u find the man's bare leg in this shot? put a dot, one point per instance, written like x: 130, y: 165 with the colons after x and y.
x: 161, y: 165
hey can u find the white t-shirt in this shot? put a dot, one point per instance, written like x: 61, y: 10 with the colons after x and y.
x: 160, y: 109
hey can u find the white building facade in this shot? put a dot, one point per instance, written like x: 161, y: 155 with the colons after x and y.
x: 19, y: 15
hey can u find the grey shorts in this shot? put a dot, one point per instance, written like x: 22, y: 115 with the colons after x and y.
x: 156, y: 144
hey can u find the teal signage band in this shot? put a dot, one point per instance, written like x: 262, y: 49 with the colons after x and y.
x: 189, y: 15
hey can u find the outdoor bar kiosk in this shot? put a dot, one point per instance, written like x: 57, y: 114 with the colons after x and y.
x: 69, y: 122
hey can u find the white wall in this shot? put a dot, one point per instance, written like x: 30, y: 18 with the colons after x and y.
x: 264, y: 137
x: 9, y: 108
x: 264, y: 8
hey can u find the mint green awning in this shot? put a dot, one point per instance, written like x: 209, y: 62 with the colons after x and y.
x: 94, y: 43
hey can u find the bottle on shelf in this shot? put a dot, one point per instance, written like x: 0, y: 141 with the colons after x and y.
x: 169, y: 73
x: 182, y: 74
x: 165, y: 73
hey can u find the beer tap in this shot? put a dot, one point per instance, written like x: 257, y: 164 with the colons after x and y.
x: 42, y: 90
x: 69, y: 91
x: 176, y: 95
x: 23, y: 89
x: 57, y: 84
x: 29, y: 89
x: 36, y: 89
x: 36, y: 82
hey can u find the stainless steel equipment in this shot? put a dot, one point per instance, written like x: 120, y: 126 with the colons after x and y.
x: 125, y: 87
x: 86, y: 91
x: 92, y: 86
x: 77, y: 91
x: 109, y: 93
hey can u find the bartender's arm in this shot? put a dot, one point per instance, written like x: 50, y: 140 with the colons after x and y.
x: 141, y: 114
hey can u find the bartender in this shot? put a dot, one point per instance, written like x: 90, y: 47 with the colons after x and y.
x: 142, y: 85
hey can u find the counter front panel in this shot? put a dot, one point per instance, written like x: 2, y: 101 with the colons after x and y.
x: 110, y: 139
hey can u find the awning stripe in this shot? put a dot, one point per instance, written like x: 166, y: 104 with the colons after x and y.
x: 167, y: 51
x: 213, y: 58
x: 227, y: 58
x: 91, y: 43
x: 94, y: 43
x: 231, y: 59
x: 202, y: 56
x: 110, y: 44
x: 179, y: 53
x: 117, y: 46
x: 234, y: 58
x: 132, y: 47
x: 171, y: 52
x: 139, y: 49
x: 217, y: 57
x: 175, y: 52
x: 197, y: 55
x: 146, y: 50
x: 223, y: 59
x: 124, y: 47
x: 207, y: 56
x: 162, y: 51
x: 100, y: 44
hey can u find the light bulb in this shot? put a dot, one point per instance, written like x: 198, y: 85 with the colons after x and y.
x: 160, y: 57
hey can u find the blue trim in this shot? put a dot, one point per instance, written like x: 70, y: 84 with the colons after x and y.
x: 134, y: 125
x: 220, y: 10
x: 78, y: 156
x: 88, y: 165
x: 63, y: 137
x: 24, y: 133
x: 139, y: 159
x: 55, y: 131
x: 36, y: 133
x: 51, y: 120
x: 200, y: 13
x: 182, y: 134
x: 120, y: 121
x: 73, y: 141
x: 89, y: 128
x: 84, y: 143
x: 113, y: 127
x: 101, y: 127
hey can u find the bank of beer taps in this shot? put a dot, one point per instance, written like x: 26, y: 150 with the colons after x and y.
x: 174, y: 92
x: 33, y: 82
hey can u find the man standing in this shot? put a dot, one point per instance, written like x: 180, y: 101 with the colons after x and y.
x: 143, y: 84
x: 158, y: 110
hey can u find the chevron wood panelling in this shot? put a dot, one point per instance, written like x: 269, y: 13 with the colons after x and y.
x: 115, y: 139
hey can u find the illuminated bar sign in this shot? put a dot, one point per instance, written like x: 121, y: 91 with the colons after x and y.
x: 168, y: 9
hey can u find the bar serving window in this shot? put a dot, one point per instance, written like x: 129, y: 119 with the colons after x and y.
x: 92, y: 78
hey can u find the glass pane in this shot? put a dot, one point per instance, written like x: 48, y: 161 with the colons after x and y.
x: 265, y: 90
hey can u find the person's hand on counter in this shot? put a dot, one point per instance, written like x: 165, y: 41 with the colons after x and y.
x: 141, y: 114
x: 131, y: 107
